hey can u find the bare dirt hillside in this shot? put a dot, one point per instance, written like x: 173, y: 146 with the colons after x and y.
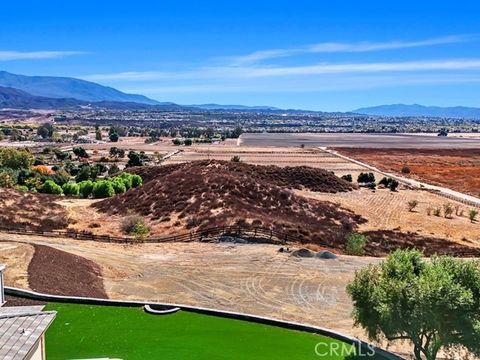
x: 38, y: 212
x: 205, y: 194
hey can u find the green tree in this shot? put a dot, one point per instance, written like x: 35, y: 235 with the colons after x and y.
x: 113, y: 137
x: 355, y: 244
x: 16, y: 159
x: 80, y: 152
x: 119, y: 186
x: 136, y: 180
x: 188, y: 142
x: 49, y: 187
x: 98, y: 135
x: 433, y: 304
x: 85, y: 188
x: 103, y: 189
x: 71, y: 189
x: 45, y: 130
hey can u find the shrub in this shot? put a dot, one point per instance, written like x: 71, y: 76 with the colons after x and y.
x: 80, y: 152
x: 405, y: 170
x: 119, y: 186
x: 103, y: 189
x: 355, y: 244
x: 6, y: 180
x: 412, y: 204
x: 366, y: 178
x: 127, y: 179
x: 16, y: 159
x: 389, y: 183
x: 71, y: 189
x: 112, y: 170
x: 236, y: 158
x: 49, y: 187
x: 177, y: 141
x: 437, y: 212
x: 136, y: 181
x: 347, y: 177
x: 85, y: 188
x: 447, y: 210
x: 22, y: 188
x: 188, y: 142
x: 472, y: 215
x: 136, y: 226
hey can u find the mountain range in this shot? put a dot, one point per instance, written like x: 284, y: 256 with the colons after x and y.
x: 50, y: 92
x: 64, y: 88
x: 420, y: 110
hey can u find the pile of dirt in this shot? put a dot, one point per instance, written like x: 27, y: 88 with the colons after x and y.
x: 296, y: 177
x: 57, y: 272
x: 207, y: 194
x: 37, y: 212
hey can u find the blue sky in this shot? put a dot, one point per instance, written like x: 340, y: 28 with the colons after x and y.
x: 322, y: 55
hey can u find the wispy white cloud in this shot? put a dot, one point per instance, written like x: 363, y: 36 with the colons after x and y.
x: 32, y: 55
x: 240, y: 72
x: 356, y: 47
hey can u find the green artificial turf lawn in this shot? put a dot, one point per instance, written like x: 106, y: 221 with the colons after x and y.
x: 86, y: 331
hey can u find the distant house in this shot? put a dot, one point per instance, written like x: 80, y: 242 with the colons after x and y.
x: 22, y: 329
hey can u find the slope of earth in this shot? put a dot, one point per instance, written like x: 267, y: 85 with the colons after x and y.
x: 58, y: 272
x: 297, y: 177
x: 457, y: 169
x: 37, y: 212
x: 206, y: 194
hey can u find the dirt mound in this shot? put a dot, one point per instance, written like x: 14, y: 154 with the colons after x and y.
x: 57, y: 272
x: 206, y: 194
x: 37, y: 212
x: 297, y: 177
x: 303, y: 252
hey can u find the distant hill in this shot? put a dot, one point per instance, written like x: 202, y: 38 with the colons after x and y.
x: 63, y: 87
x: 420, y: 110
x: 234, y: 107
x: 18, y: 99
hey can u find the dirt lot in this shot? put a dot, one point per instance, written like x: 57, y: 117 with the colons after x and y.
x: 457, y: 169
x: 255, y: 279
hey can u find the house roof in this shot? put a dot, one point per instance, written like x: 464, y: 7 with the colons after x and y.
x: 20, y: 329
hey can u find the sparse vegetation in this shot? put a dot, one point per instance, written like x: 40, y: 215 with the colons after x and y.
x: 355, y: 244
x: 236, y: 158
x: 347, y: 177
x: 412, y: 204
x: 447, y: 210
x: 472, y: 215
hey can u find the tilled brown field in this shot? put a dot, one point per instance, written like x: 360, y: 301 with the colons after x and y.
x: 457, y: 169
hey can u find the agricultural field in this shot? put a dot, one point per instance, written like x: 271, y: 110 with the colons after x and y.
x: 457, y: 169
x: 358, y: 140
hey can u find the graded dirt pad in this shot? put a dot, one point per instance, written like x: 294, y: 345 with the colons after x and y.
x: 37, y: 212
x: 208, y: 194
x: 457, y: 169
x: 254, y: 279
x: 58, y: 272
